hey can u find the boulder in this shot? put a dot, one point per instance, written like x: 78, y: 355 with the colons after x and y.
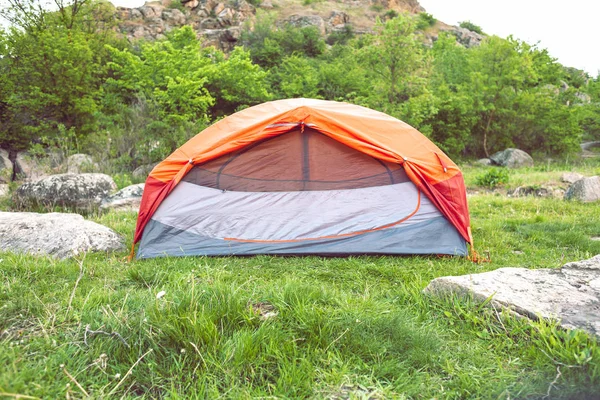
x: 78, y: 163
x: 126, y: 199
x: 143, y: 171
x: 30, y: 168
x: 85, y: 191
x: 6, y: 167
x: 485, y: 161
x: 301, y: 21
x: 571, y: 177
x: 173, y: 17
x: 570, y: 294
x: 586, y: 189
x: 56, y: 234
x: 512, y: 158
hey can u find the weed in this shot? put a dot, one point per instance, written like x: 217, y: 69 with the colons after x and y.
x: 493, y: 178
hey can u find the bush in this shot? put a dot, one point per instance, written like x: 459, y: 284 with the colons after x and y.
x: 471, y: 26
x: 425, y: 20
x: 493, y: 178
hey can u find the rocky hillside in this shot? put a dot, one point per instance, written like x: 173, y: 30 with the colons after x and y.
x: 220, y: 22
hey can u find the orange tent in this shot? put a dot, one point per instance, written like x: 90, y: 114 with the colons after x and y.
x: 285, y: 159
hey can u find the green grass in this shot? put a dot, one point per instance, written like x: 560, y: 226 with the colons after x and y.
x: 356, y: 327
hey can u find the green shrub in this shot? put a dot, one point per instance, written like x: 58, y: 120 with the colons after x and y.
x: 493, y: 178
x: 390, y: 14
x: 471, y: 26
x: 425, y: 20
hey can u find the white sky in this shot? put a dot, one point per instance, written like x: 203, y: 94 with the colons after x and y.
x: 568, y: 29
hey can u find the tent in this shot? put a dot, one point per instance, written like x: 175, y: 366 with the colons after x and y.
x: 304, y: 176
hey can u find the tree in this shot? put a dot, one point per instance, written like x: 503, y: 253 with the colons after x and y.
x: 397, y: 62
x: 52, y: 64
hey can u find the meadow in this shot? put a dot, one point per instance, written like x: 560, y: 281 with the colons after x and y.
x: 98, y: 326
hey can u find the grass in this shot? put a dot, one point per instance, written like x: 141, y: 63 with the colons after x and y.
x: 297, y: 327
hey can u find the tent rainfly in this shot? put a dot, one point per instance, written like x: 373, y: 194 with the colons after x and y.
x: 304, y: 176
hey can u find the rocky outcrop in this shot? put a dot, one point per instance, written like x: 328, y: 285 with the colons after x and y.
x: 126, y: 199
x: 81, y: 191
x: 55, y: 234
x: 586, y: 190
x: 512, y: 158
x: 570, y: 294
x: 219, y: 22
x: 79, y: 163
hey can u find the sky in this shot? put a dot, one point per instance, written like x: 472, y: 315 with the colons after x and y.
x: 568, y: 29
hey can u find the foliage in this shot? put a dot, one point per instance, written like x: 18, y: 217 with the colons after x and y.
x: 471, y: 26
x: 425, y: 20
x: 493, y: 178
x: 135, y: 105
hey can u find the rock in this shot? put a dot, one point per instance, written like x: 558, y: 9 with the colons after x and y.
x: 173, y: 17
x: 78, y: 163
x: 485, y: 161
x: 84, y: 191
x: 583, y: 98
x: 30, y: 168
x: 56, y: 234
x: 466, y: 37
x: 126, y: 199
x: 4, y: 190
x: 191, y: 4
x: 266, y: 4
x: 218, y: 8
x: 512, y: 158
x: 586, y: 189
x: 570, y: 177
x: 588, y: 146
x: 570, y: 294
x: 337, y: 18
x: 6, y: 168
x: 143, y: 171
x: 301, y: 21
x: 536, y: 191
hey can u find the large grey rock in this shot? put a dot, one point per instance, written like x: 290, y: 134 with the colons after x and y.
x: 570, y: 177
x: 570, y: 294
x: 512, y: 158
x: 56, y: 234
x: 6, y: 167
x: 79, y: 163
x: 586, y: 189
x: 126, y: 199
x: 485, y: 161
x: 84, y: 191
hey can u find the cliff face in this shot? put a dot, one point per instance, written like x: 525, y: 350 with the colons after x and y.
x: 219, y: 22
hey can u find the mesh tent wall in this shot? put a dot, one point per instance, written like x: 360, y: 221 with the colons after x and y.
x: 305, y: 176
